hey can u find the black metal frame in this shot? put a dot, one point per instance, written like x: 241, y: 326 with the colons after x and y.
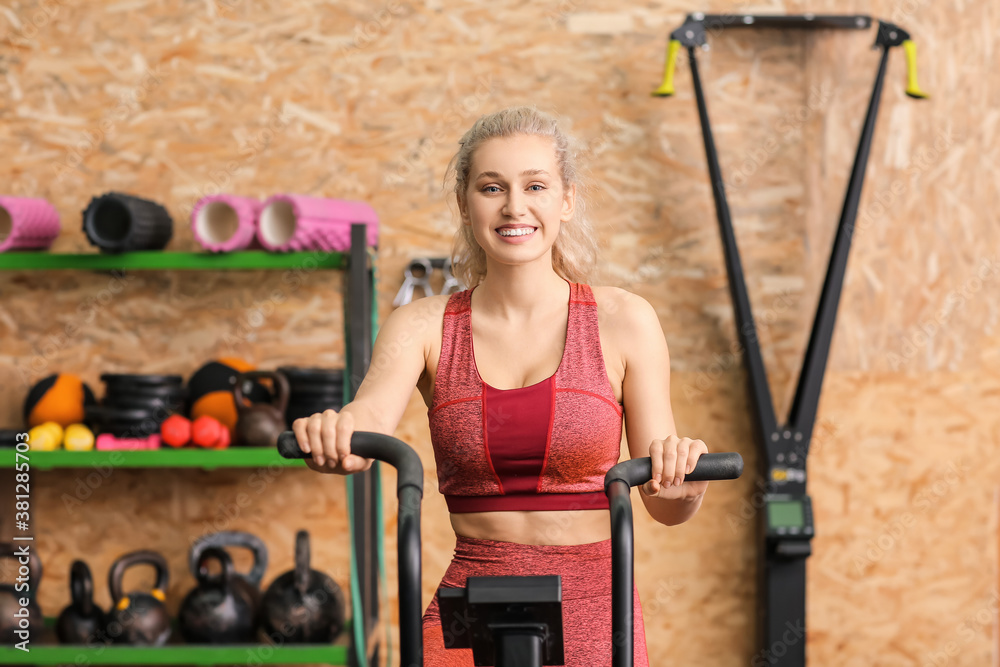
x: 784, y: 448
x: 364, y: 486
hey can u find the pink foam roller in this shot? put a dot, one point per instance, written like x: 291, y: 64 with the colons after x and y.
x: 27, y: 224
x: 224, y: 223
x: 298, y: 222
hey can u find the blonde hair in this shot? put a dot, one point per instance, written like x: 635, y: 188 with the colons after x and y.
x: 574, y: 252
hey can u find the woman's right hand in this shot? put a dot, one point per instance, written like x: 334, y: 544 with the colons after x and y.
x: 327, y: 436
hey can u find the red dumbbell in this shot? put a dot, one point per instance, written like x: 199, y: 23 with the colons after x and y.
x: 176, y: 430
x: 209, y: 432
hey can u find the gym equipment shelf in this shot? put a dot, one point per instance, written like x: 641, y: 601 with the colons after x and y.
x: 155, y: 260
x: 359, y: 646
x: 166, y: 457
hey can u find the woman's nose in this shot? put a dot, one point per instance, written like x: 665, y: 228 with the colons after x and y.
x: 515, y: 206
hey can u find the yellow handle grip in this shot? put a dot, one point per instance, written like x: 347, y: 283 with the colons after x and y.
x: 912, y: 87
x: 666, y: 88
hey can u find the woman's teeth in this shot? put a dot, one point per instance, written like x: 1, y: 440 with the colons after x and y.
x: 520, y: 231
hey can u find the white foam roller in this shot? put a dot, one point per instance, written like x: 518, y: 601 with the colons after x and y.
x: 224, y: 222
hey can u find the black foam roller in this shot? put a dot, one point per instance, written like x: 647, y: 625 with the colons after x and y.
x: 116, y: 222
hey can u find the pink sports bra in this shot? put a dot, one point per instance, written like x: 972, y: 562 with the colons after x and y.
x: 542, y: 447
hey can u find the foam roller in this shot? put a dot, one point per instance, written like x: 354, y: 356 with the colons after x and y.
x: 224, y: 223
x: 298, y: 222
x: 27, y: 224
x: 116, y: 222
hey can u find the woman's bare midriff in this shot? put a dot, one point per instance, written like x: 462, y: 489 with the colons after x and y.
x: 570, y: 527
x: 548, y: 527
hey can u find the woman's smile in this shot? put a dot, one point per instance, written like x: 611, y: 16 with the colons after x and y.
x: 516, y: 233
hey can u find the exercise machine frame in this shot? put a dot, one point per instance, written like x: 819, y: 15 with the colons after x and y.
x: 409, y: 491
x: 785, y: 523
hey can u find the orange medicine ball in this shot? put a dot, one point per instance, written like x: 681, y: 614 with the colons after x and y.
x: 210, y: 390
x: 58, y: 398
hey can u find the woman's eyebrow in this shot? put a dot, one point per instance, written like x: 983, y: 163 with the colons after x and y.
x: 526, y: 172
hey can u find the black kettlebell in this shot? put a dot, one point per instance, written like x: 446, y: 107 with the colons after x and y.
x: 260, y: 424
x: 139, y: 619
x: 302, y: 605
x: 217, y: 611
x: 17, y: 623
x: 249, y: 582
x: 82, y: 622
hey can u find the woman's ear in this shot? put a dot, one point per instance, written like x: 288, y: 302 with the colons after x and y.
x: 569, y: 204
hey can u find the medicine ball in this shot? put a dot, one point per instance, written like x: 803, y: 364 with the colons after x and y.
x: 58, y: 398
x: 210, y: 390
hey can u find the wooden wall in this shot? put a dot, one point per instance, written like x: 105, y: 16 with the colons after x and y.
x: 173, y: 100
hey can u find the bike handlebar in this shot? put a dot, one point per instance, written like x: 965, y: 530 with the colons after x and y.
x: 409, y: 490
x: 369, y: 445
x: 710, y: 468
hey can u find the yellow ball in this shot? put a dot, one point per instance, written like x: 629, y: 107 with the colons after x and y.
x: 78, y: 438
x: 45, y: 437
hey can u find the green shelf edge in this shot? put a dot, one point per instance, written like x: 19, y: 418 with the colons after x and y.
x: 257, y: 654
x: 160, y: 260
x: 234, y: 457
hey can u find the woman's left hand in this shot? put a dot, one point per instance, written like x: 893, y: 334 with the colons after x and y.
x: 672, y: 459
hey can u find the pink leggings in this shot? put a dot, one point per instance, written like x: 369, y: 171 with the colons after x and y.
x: 586, y: 592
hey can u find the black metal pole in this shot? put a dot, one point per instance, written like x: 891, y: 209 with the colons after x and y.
x: 622, y: 574
x: 358, y: 347
x: 803, y: 413
x: 411, y: 638
x: 522, y: 647
x: 760, y: 392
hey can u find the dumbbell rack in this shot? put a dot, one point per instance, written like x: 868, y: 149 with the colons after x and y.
x: 363, y: 489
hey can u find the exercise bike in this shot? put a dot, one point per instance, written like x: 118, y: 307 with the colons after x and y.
x: 514, y: 621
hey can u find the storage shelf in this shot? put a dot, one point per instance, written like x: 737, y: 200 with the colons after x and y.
x: 158, y: 260
x: 358, y: 644
x: 207, y: 459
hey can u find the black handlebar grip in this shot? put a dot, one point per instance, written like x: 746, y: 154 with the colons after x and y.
x: 288, y: 447
x: 369, y: 445
x: 710, y: 467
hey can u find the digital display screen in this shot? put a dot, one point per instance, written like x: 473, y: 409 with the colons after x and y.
x: 786, y: 514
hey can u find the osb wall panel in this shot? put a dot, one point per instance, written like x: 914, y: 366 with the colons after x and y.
x: 174, y: 100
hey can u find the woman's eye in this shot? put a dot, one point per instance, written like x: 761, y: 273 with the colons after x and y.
x: 537, y: 185
x: 491, y: 189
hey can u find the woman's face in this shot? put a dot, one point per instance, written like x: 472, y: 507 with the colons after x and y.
x: 515, y: 199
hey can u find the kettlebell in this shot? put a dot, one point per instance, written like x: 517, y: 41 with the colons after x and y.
x: 217, y: 610
x: 249, y: 582
x: 260, y: 424
x: 139, y: 619
x: 302, y: 605
x: 82, y: 622
x: 17, y: 623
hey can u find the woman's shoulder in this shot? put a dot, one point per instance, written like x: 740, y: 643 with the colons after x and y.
x: 620, y: 303
x: 624, y: 316
x: 419, y: 310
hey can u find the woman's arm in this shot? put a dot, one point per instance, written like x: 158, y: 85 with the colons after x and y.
x: 398, y: 359
x: 649, y: 420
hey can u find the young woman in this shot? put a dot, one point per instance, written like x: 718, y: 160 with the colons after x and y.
x: 527, y: 377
